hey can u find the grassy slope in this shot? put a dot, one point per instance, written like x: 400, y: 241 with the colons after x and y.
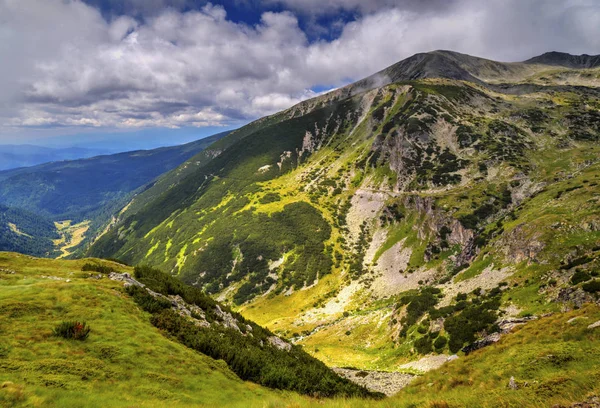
x: 554, y: 361
x: 125, y: 361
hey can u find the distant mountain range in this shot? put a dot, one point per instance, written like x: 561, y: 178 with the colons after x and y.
x: 90, y: 189
x: 14, y: 156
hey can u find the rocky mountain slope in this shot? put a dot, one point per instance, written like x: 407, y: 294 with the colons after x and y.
x: 404, y: 215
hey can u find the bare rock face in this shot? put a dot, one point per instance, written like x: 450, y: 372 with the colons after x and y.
x: 279, y: 343
x: 519, y: 246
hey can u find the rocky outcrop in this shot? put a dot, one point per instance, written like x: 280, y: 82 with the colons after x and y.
x: 389, y: 383
x: 520, y: 245
x: 189, y: 311
x: 575, y: 296
x: 505, y: 326
x: 486, y: 341
x: 279, y: 343
x: 125, y: 278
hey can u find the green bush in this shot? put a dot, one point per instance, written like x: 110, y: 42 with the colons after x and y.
x: 440, y: 342
x: 72, y: 330
x: 423, y: 345
x: 97, y: 268
x: 592, y: 287
x: 580, y: 276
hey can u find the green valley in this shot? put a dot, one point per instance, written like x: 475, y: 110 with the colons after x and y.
x: 431, y: 233
x: 85, y: 192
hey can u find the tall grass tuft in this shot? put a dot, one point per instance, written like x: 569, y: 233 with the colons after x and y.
x: 72, y: 330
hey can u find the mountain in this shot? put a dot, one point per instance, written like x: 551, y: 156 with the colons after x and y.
x: 423, y: 212
x: 76, y: 188
x: 27, y: 232
x: 563, y: 59
x: 86, y: 192
x: 14, y: 156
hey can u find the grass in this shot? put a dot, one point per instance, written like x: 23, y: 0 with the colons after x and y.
x: 124, y: 362
x: 553, y: 362
x: 127, y: 362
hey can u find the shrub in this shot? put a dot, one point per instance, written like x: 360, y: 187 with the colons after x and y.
x: 580, y: 276
x: 72, y: 330
x: 461, y: 296
x: 423, y: 345
x: 97, y: 268
x: 592, y: 287
x: 440, y: 342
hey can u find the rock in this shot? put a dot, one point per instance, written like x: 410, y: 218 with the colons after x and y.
x: 575, y: 295
x: 279, y: 343
x: 125, y: 277
x: 452, y: 357
x: 389, y: 383
x: 575, y: 319
x: 512, y: 384
x: 506, y: 325
x: 486, y: 341
x: 594, y: 325
x: 436, y: 325
x: 520, y: 245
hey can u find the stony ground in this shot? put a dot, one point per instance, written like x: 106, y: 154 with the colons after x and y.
x: 389, y: 383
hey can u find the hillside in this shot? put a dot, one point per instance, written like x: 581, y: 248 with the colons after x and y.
x: 430, y: 200
x: 78, y: 188
x: 26, y: 232
x: 14, y: 156
x: 81, y: 195
x: 125, y: 360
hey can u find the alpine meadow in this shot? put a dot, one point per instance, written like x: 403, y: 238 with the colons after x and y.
x: 427, y: 236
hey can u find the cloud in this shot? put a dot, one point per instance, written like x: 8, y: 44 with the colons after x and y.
x: 319, y: 7
x: 67, y: 65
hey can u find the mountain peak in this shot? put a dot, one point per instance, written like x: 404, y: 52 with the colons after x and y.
x: 564, y: 59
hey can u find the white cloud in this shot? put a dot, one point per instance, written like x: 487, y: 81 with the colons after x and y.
x: 64, y: 65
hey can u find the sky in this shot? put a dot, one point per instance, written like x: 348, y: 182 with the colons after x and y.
x: 144, y: 73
